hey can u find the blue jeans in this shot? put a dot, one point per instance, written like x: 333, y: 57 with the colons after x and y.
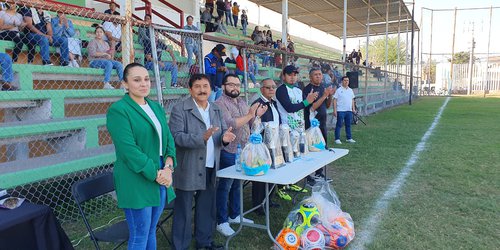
x: 43, y: 42
x: 228, y: 17
x: 235, y: 18
x: 142, y: 224
x: 108, y: 66
x: 6, y: 63
x: 191, y: 49
x: 346, y: 117
x: 250, y: 75
x: 167, y: 67
x: 244, y: 25
x: 227, y: 189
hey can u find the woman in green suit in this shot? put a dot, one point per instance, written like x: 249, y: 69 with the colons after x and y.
x: 145, y: 157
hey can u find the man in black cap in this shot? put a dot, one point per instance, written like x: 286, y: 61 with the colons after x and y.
x: 291, y: 104
x: 215, y: 69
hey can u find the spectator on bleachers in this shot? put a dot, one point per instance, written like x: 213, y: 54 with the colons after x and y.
x: 269, y: 37
x: 112, y: 9
x: 232, y: 57
x: 100, y: 57
x: 206, y: 18
x: 210, y: 6
x: 244, y: 22
x: 221, y: 8
x: 39, y: 32
x: 240, y: 69
x: 215, y: 69
x: 10, y: 24
x: 236, y: 13
x: 259, y: 38
x: 7, y: 73
x: 221, y: 28
x: 228, y: 6
x: 113, y: 35
x: 326, y: 79
x: 359, y: 56
x: 145, y: 39
x: 164, y: 66
x: 290, y: 47
x: 63, y: 27
x: 189, y: 42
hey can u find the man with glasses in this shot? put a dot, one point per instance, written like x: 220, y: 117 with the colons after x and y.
x: 266, y: 98
x: 238, y: 116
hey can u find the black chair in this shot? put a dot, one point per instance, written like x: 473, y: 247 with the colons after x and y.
x: 169, y: 208
x: 93, y: 187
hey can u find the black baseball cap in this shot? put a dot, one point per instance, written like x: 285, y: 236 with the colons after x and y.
x: 290, y: 69
x: 220, y: 49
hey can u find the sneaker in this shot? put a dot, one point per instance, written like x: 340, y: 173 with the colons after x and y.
x: 108, y: 86
x: 225, y: 229
x: 237, y: 220
x: 296, y: 188
x: 310, y: 182
x: 338, y: 141
x: 48, y: 64
x: 351, y: 141
x: 283, y: 195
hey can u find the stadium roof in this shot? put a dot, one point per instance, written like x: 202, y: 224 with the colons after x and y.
x: 327, y: 15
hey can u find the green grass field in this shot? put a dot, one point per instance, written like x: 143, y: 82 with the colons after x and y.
x: 450, y: 200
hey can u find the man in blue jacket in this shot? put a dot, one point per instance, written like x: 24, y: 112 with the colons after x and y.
x: 215, y: 69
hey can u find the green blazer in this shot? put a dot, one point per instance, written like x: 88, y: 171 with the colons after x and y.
x: 137, y: 158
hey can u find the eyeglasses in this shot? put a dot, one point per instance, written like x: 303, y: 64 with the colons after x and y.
x: 270, y: 87
x: 232, y: 84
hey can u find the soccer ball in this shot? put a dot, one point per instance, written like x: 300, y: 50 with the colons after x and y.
x: 288, y: 239
x: 312, y: 239
x: 307, y: 217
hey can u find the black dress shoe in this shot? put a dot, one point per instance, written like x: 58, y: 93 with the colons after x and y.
x: 212, y: 246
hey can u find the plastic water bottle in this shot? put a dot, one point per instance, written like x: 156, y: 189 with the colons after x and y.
x: 302, y: 143
x: 237, y: 160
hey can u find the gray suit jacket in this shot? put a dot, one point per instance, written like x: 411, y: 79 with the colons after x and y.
x: 187, y: 127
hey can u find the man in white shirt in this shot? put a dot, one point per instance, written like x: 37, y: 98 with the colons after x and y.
x: 199, y: 133
x: 113, y: 33
x: 343, y: 108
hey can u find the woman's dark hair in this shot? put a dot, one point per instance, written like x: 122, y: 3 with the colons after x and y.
x: 196, y: 77
x: 129, y: 67
x: 147, y: 15
x: 98, y: 27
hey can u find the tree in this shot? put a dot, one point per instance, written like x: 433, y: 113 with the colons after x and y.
x: 462, y: 57
x: 376, y: 51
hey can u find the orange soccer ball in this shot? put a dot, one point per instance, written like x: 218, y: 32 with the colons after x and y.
x: 288, y: 239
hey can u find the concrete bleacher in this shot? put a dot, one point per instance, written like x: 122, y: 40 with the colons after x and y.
x: 55, y: 123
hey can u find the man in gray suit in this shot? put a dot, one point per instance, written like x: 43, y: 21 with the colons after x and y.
x: 199, y: 132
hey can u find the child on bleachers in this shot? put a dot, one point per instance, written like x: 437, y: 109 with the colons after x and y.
x: 7, y: 74
x: 244, y: 22
x: 37, y: 33
x: 191, y: 44
x: 63, y: 27
x: 10, y: 24
x: 100, y: 56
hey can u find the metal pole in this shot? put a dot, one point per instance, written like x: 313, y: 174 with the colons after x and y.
x: 471, y: 62
x: 486, y: 79
x: 399, y: 35
x: 386, y: 49
x: 421, y: 48
x: 450, y: 86
x: 284, y: 23
x: 245, y: 70
x: 429, y: 65
x: 344, y: 35
x: 365, y: 97
x: 412, y: 39
x: 407, y: 70
x: 127, y: 37
x: 154, y: 54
